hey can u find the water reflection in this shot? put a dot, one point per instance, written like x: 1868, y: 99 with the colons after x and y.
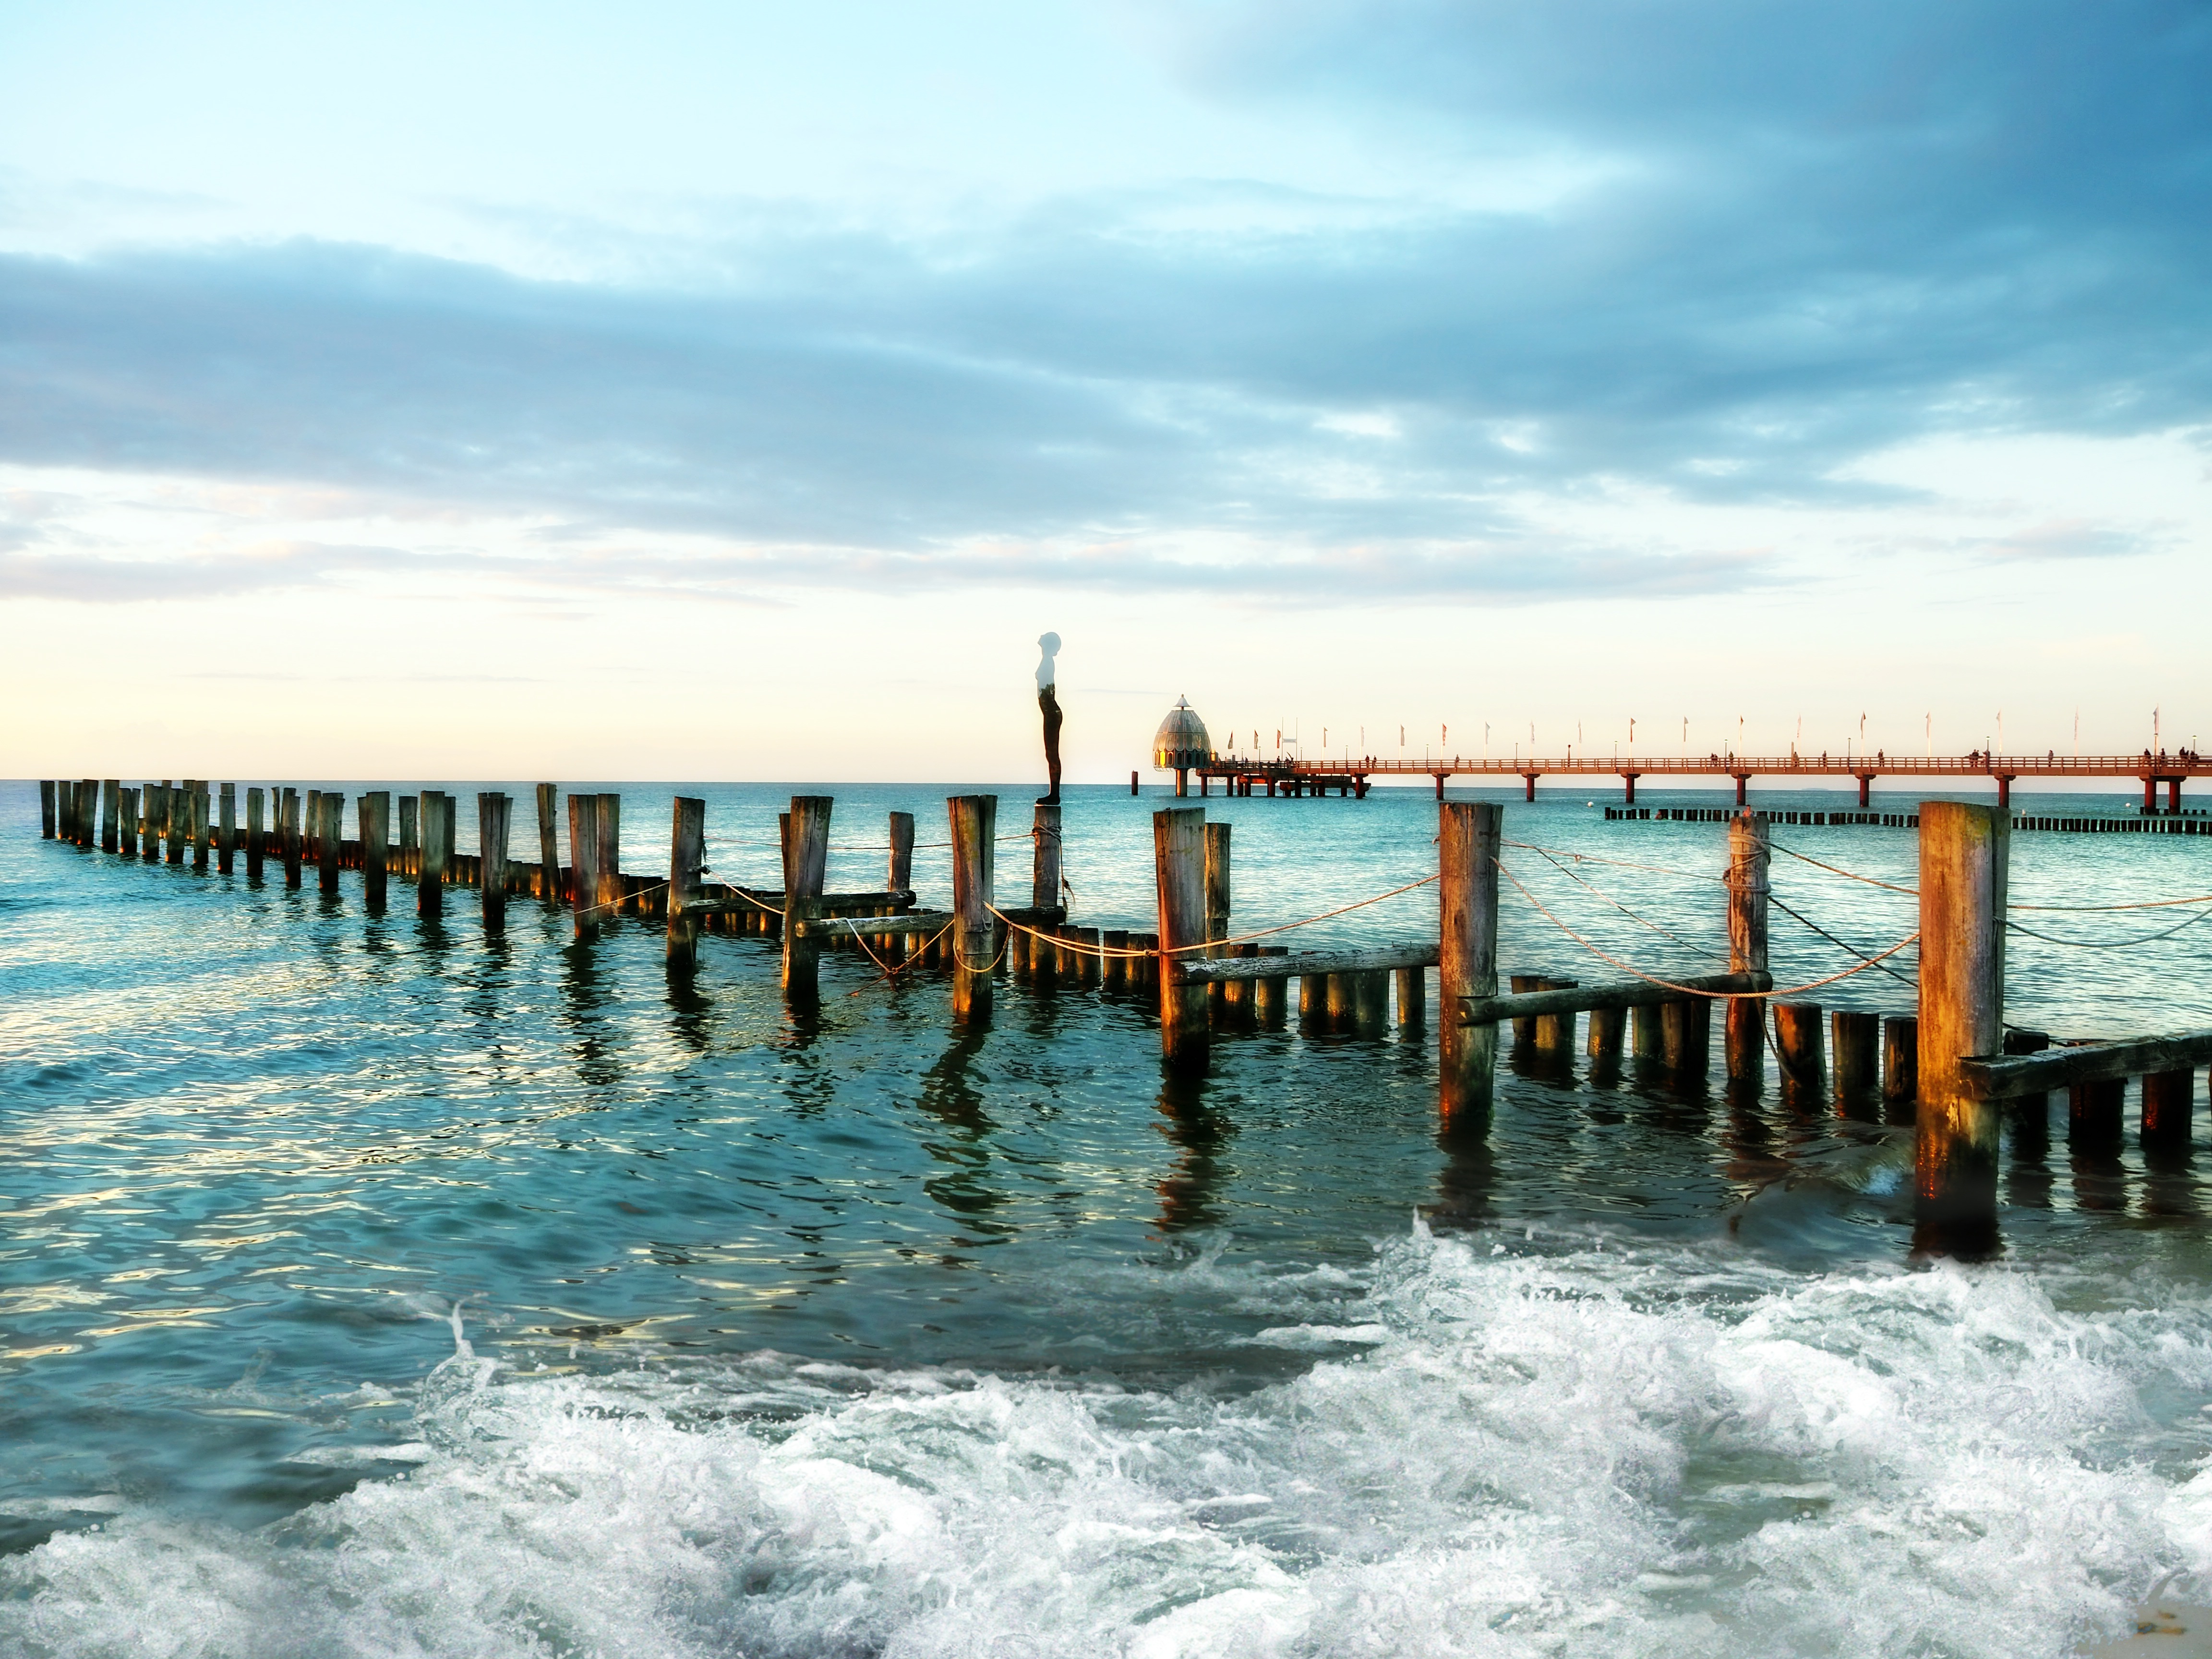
x: 1190, y: 1192
x: 584, y: 1001
x: 949, y: 1094
x: 2028, y: 1179
x: 1466, y: 1180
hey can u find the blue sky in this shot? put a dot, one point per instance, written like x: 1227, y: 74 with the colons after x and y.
x: 1360, y: 367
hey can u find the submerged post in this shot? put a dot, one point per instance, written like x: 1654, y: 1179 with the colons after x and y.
x: 549, y: 844
x: 1964, y: 854
x: 289, y: 828
x: 494, y: 811
x: 202, y: 834
x: 584, y: 859
x: 226, y: 831
x: 111, y: 814
x: 48, y: 792
x: 1797, y: 1049
x: 1749, y: 855
x: 410, y: 834
x: 373, y: 812
x: 805, y: 862
x: 974, y: 821
x: 256, y: 836
x: 1468, y: 834
x: 687, y: 854
x: 1854, y: 1057
x: 326, y: 840
x: 1179, y: 867
x: 1220, y: 1003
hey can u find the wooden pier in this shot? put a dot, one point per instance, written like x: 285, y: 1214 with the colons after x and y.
x: 1300, y: 779
x: 1945, y: 1065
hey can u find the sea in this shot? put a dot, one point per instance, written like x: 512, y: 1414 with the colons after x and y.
x: 372, y: 1285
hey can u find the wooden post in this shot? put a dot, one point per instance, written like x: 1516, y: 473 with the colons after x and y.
x: 1339, y: 1001
x: 48, y: 805
x: 1606, y: 1027
x: 1370, y: 1002
x: 1900, y: 1066
x: 1413, y: 997
x: 1217, y: 910
x: 1555, y: 1033
x: 1856, y: 1042
x: 327, y: 837
x: 1467, y: 835
x: 374, y: 813
x: 1797, y: 1050
x: 1647, y: 1032
x: 1745, y: 1037
x: 1313, y: 1002
x: 63, y: 809
x: 1179, y: 873
x: 1271, y: 996
x: 549, y: 844
x: 901, y: 861
x: 311, y: 826
x: 110, y: 815
x: 257, y: 838
x: 805, y: 862
x: 614, y: 899
x: 1964, y: 855
x: 226, y: 832
x: 410, y: 834
x: 130, y: 844
x: 495, y: 811
x: 2168, y: 1100
x: 2094, y: 1114
x: 177, y: 823
x: 1524, y: 1026
x: 687, y: 854
x: 202, y: 837
x: 584, y: 860
x: 289, y: 829
x: 434, y: 825
x: 1114, y: 971
x: 973, y: 820
x: 1045, y: 864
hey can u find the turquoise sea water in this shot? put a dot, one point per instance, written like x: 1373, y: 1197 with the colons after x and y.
x: 371, y: 1285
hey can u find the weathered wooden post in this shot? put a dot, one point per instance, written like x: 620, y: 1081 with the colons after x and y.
x: 410, y: 834
x: 494, y: 811
x: 1606, y: 1028
x: 687, y: 856
x: 805, y: 863
x: 288, y: 827
x: 902, y: 861
x: 374, y: 813
x: 1179, y: 869
x: 327, y: 837
x: 584, y: 860
x: 1797, y: 1051
x: 1271, y: 996
x: 257, y: 838
x: 1413, y: 997
x: 177, y: 824
x: 549, y: 845
x: 1854, y: 1040
x: 613, y: 900
x: 1370, y: 1002
x: 111, y: 814
x: 973, y: 820
x: 1554, y: 1033
x: 1745, y: 1034
x: 1900, y: 1066
x: 1468, y: 834
x: 2094, y: 1114
x: 1216, y: 913
x: 201, y: 835
x: 311, y: 826
x: 49, y: 794
x: 226, y: 831
x: 130, y: 844
x: 1964, y: 856
x: 2168, y: 1099
x: 434, y: 824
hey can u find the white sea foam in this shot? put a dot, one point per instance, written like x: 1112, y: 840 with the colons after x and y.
x: 1596, y: 1450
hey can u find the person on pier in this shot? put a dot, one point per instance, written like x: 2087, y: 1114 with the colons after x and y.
x: 1049, y: 703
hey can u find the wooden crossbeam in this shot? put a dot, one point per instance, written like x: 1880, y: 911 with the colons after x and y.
x: 1218, y: 969
x: 1581, y: 999
x: 2009, y: 1076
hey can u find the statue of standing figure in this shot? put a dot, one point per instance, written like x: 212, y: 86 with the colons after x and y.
x: 1049, y: 704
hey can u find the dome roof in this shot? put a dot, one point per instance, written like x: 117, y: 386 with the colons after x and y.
x: 1182, y: 742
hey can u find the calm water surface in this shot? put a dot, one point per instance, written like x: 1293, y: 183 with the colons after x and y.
x: 371, y: 1285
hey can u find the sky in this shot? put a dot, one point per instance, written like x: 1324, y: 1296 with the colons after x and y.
x: 735, y: 391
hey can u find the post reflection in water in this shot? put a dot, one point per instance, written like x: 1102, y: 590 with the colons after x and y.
x: 949, y: 1094
x: 1467, y: 1180
x: 1190, y: 1191
x: 585, y: 1002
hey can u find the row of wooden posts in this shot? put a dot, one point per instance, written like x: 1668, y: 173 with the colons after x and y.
x: 1954, y: 1057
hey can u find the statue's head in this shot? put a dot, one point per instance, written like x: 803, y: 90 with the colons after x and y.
x: 1049, y: 643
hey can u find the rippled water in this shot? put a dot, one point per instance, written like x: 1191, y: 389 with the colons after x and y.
x: 371, y: 1286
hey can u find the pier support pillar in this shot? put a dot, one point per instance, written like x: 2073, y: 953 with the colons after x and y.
x: 1964, y: 854
x: 687, y: 853
x: 1468, y: 835
x: 1745, y: 1038
x: 1440, y: 785
x: 2173, y: 798
x: 1183, y: 782
x: 1866, y: 783
x: 2150, y: 794
x: 1529, y: 778
x: 1179, y: 867
x: 46, y: 809
x: 1742, y: 778
x: 434, y: 824
x: 2005, y: 791
x: 1628, y: 780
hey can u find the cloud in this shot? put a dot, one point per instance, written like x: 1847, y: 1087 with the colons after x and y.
x: 1804, y: 237
x: 2074, y: 539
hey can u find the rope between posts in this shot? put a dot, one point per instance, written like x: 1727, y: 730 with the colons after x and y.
x: 628, y: 898
x: 1849, y: 875
x: 1593, y: 858
x: 1104, y: 952
x: 2105, y: 945
x: 1619, y: 906
x: 1690, y: 990
x: 2069, y: 909
x: 1852, y: 950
